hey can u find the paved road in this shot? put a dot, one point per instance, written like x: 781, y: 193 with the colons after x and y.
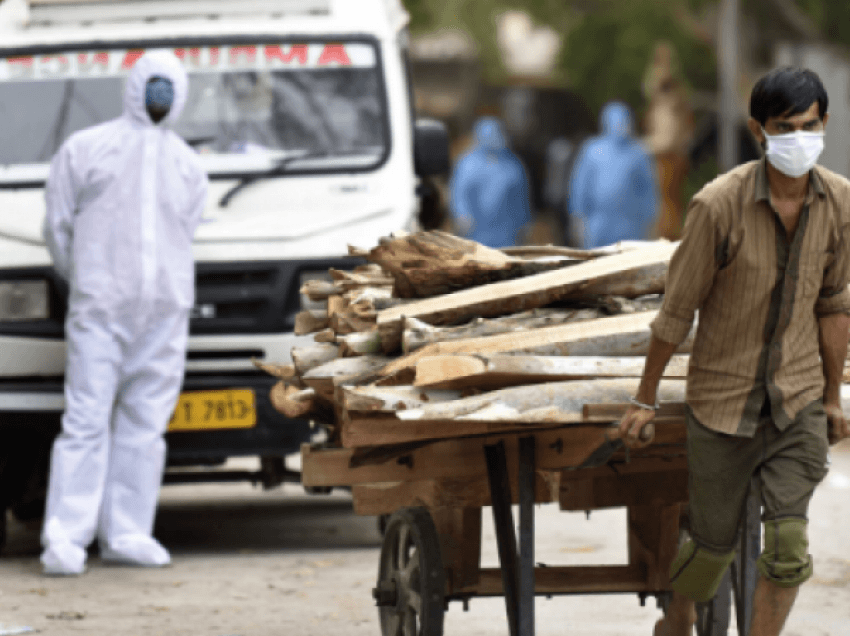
x: 253, y: 563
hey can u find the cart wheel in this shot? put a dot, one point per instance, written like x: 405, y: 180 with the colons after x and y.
x: 713, y: 616
x: 739, y: 583
x: 3, y: 520
x: 411, y: 578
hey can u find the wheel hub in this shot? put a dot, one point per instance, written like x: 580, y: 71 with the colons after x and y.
x: 386, y: 594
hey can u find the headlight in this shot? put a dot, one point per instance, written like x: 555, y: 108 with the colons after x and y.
x: 24, y: 300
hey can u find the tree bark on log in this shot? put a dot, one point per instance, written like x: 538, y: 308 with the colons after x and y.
x: 489, y: 372
x: 361, y: 370
x: 626, y: 335
x: 306, y: 358
x: 532, y: 291
x: 550, y: 402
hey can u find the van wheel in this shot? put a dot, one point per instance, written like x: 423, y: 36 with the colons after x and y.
x: 29, y: 510
x: 3, y: 522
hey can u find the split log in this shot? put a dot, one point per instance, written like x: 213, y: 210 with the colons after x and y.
x: 374, y: 277
x: 551, y: 402
x: 325, y: 335
x: 428, y: 264
x: 541, y: 289
x: 347, y: 321
x: 373, y: 399
x: 499, y: 371
x: 336, y: 304
x: 527, y: 408
x: 571, y: 252
x: 291, y: 401
x: 626, y: 335
x: 282, y: 371
x: 306, y: 358
x: 318, y: 290
x: 325, y: 378
x: 310, y: 321
x: 360, y: 344
x: 417, y: 333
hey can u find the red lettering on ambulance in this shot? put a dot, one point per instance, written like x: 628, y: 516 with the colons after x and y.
x: 334, y: 54
x: 21, y: 67
x: 54, y: 65
x: 193, y: 58
x: 86, y: 63
x: 249, y: 53
x: 296, y: 51
x: 131, y: 58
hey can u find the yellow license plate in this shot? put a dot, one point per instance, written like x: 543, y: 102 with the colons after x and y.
x: 209, y: 410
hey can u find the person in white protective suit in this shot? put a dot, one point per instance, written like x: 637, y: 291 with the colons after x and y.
x: 123, y: 201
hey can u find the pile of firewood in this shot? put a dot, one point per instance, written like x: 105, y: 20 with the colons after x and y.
x: 437, y: 337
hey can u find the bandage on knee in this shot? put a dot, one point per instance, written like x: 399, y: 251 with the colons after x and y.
x: 697, y: 572
x: 786, y: 561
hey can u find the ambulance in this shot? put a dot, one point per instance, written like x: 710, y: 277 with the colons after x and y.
x: 301, y: 113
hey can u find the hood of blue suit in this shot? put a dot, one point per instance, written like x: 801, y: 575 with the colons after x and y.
x: 155, y: 64
x: 489, y: 135
x: 616, y: 121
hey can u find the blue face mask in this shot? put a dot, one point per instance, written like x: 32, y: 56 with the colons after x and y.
x: 159, y: 97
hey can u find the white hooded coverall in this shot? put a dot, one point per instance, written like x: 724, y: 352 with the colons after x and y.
x: 123, y: 201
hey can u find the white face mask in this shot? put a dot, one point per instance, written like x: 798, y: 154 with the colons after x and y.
x: 794, y: 154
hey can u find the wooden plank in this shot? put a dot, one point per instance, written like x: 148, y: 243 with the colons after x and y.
x: 326, y: 377
x: 418, y: 334
x: 529, y: 292
x: 498, y: 371
x: 554, y: 580
x: 310, y: 321
x: 572, y: 252
x: 555, y: 449
x: 459, y: 530
x: 618, y: 490
x: 636, y: 466
x: 281, y: 371
x: 428, y: 264
x: 306, y: 358
x: 551, y: 402
x: 614, y: 412
x: 385, y: 498
x: 362, y: 432
x: 377, y: 399
x: 653, y: 540
x: 626, y: 335
x: 358, y: 344
x: 291, y: 401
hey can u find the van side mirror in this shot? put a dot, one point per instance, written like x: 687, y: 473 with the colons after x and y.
x: 430, y: 147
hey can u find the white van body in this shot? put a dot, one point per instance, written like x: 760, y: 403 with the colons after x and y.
x: 316, y: 88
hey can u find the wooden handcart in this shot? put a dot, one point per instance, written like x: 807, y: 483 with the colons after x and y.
x: 433, y: 492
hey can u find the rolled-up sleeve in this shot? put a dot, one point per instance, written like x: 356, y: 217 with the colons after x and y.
x: 690, y: 276
x: 834, y: 295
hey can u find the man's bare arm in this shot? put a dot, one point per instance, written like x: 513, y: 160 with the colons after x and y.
x: 636, y: 418
x: 833, y: 348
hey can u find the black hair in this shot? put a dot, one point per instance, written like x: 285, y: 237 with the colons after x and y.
x: 787, y: 91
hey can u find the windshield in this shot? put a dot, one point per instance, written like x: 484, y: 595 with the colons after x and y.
x: 248, y: 106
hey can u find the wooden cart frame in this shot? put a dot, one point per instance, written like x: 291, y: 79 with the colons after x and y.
x: 435, y: 491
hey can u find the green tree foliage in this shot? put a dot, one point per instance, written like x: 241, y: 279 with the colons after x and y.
x: 608, y: 43
x: 832, y: 17
x: 607, y: 53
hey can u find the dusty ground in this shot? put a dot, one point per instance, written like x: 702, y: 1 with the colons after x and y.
x: 253, y: 563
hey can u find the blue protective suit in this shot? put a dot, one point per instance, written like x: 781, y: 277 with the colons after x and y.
x: 613, y: 192
x: 489, y: 189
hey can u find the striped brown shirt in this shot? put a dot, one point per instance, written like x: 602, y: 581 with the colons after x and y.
x: 758, y: 294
